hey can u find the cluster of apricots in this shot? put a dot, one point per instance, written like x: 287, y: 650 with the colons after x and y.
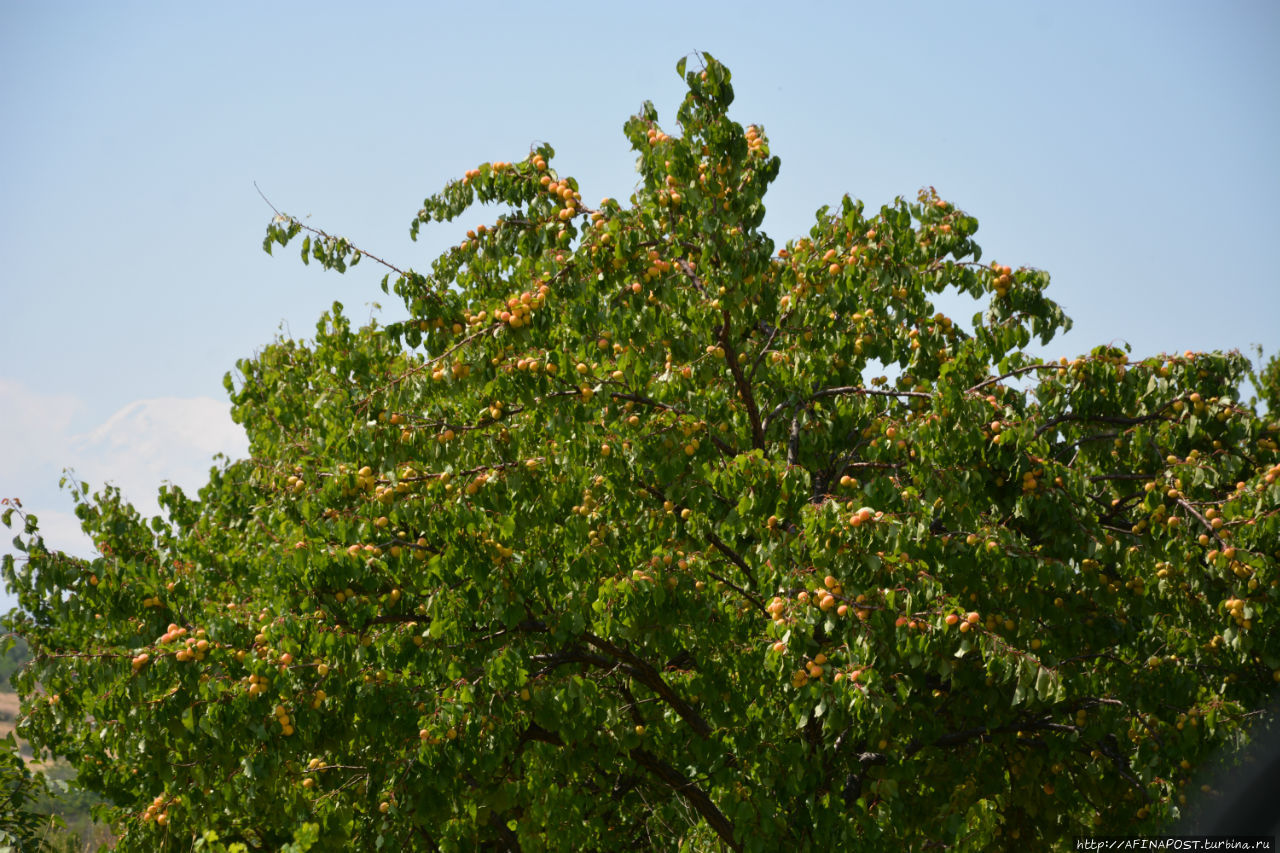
x: 282, y: 717
x: 196, y: 646
x: 158, y: 810
x: 1003, y: 279
x: 655, y: 136
x: 565, y: 194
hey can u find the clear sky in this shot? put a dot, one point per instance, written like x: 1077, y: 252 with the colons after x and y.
x: 1128, y: 148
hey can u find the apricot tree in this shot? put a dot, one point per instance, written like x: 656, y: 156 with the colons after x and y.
x: 621, y: 540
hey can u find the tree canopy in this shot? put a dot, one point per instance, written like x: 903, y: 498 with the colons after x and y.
x: 641, y: 531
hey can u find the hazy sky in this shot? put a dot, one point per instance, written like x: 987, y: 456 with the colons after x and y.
x: 1127, y: 148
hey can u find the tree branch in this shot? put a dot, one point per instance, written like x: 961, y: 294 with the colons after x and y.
x: 1027, y: 369
x: 793, y: 443
x: 695, y: 796
x: 840, y: 391
x: 327, y: 236
x: 1101, y: 419
x: 764, y: 350
x: 744, y: 387
x: 736, y: 558
x: 1204, y: 522
x: 651, y: 678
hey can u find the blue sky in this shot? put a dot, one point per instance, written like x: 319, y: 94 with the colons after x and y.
x: 1127, y: 148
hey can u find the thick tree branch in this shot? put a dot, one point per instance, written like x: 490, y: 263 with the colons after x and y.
x: 693, y: 795
x: 538, y: 733
x: 793, y: 443
x: 736, y: 558
x: 643, y: 672
x: 983, y: 732
x: 744, y: 387
x: 552, y: 661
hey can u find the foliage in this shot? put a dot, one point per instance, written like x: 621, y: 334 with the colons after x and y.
x: 21, y: 826
x: 620, y: 541
x: 1267, y: 384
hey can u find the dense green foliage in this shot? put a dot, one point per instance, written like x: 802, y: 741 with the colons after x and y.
x: 621, y: 541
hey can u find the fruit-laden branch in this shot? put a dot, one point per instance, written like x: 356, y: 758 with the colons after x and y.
x: 1107, y: 746
x: 1097, y: 478
x: 364, y: 404
x: 1204, y: 522
x: 1026, y: 724
x: 739, y: 590
x: 688, y: 270
x: 744, y: 387
x: 538, y: 733
x: 694, y: 795
x: 647, y: 401
x: 1073, y: 445
x: 470, y: 472
x: 719, y: 544
x: 658, y: 404
x: 1043, y: 723
x: 955, y: 738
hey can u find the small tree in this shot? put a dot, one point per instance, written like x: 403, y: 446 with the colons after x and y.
x: 620, y: 541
